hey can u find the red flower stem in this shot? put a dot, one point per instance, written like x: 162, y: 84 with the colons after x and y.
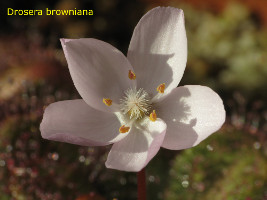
x: 141, y: 184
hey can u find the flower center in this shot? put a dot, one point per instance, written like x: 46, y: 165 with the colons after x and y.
x: 136, y: 103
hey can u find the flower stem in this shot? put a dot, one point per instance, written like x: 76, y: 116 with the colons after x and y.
x: 141, y: 184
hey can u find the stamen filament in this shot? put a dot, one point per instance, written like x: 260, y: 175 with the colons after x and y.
x: 135, y: 103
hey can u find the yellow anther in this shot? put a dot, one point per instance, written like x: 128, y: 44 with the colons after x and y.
x: 153, y: 116
x: 131, y: 75
x: 161, y: 88
x: 108, y: 102
x: 124, y: 129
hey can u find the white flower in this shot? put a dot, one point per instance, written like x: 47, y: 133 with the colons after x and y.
x: 133, y: 102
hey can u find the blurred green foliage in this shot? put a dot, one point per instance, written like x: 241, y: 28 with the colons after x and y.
x: 222, y: 167
x: 227, y: 50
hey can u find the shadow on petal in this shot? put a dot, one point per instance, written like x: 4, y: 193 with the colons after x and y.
x: 175, y: 112
x: 150, y: 78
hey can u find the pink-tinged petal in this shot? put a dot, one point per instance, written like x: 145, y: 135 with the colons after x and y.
x: 158, y: 50
x: 75, y: 122
x: 191, y: 113
x: 138, y: 148
x: 98, y: 71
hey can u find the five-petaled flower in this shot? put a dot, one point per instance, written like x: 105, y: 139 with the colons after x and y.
x: 134, y: 103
